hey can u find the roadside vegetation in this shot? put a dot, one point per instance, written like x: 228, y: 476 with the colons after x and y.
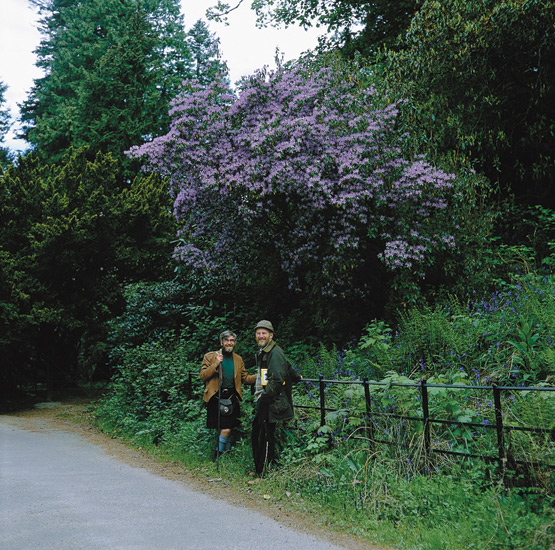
x: 386, y: 201
x: 336, y: 473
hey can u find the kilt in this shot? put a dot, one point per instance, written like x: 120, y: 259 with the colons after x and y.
x: 226, y: 422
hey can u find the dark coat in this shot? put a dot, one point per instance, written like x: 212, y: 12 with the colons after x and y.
x: 280, y: 378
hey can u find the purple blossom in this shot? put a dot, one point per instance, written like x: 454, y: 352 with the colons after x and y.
x: 306, y: 156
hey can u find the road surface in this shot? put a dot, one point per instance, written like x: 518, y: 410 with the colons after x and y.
x: 59, y: 491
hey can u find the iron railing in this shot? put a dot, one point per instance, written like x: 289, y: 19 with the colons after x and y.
x: 427, y: 420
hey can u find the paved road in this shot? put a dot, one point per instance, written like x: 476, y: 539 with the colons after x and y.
x: 58, y: 491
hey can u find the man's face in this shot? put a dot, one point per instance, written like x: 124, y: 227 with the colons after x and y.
x: 263, y: 337
x: 228, y: 344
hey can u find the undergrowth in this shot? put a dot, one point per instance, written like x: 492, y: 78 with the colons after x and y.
x: 372, y: 476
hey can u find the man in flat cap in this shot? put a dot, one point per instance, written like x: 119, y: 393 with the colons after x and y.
x: 274, y: 404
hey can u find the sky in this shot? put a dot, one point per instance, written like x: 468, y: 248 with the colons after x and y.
x: 244, y: 46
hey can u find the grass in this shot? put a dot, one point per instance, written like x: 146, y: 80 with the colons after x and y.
x: 350, y: 489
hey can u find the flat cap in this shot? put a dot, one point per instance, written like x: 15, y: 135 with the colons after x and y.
x: 264, y: 324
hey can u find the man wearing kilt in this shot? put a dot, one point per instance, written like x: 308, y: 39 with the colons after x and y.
x: 223, y: 372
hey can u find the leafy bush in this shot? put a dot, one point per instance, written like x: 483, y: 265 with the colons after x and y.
x: 167, y: 312
x: 506, y: 337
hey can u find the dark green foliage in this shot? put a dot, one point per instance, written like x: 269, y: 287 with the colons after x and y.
x: 480, y: 80
x: 70, y: 237
x: 153, y: 311
x: 504, y: 337
x: 205, y: 53
x: 4, y: 126
x: 156, y: 401
x: 112, y: 68
x: 172, y: 312
x: 152, y: 381
x: 4, y: 112
x: 526, y: 238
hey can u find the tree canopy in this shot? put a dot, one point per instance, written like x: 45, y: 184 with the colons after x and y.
x: 77, y: 223
x: 353, y: 25
x: 111, y: 69
x: 70, y: 239
x: 314, y: 195
x: 480, y: 82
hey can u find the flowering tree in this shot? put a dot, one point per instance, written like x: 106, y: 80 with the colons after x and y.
x: 301, y: 170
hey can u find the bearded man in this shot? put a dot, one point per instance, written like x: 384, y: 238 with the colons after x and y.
x: 223, y: 372
x: 274, y: 383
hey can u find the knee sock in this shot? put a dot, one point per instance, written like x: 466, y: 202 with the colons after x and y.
x: 224, y: 442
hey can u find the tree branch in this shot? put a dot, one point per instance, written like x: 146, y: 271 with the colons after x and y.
x: 220, y: 11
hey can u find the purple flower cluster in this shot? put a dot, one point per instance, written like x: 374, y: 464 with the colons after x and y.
x: 301, y: 158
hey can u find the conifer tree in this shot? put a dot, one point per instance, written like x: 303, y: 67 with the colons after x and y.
x: 111, y: 68
x: 4, y: 125
x: 69, y: 240
x: 204, y: 47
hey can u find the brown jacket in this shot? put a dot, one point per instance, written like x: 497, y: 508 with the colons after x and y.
x: 209, y: 375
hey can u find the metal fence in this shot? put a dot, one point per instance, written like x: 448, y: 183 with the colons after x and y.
x: 500, y: 427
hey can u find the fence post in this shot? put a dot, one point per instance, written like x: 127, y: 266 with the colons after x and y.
x: 425, y: 416
x: 499, y: 427
x: 322, y: 401
x: 369, y: 427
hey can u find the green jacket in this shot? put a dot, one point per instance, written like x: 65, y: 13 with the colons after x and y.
x: 280, y: 378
